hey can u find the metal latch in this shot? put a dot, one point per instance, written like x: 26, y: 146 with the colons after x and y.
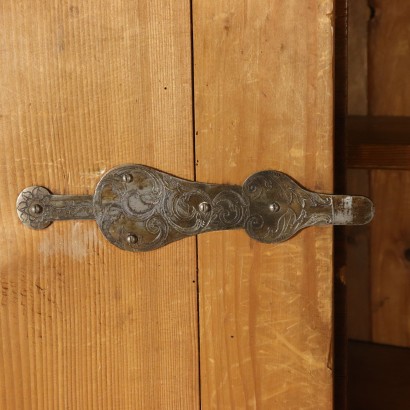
x: 139, y: 208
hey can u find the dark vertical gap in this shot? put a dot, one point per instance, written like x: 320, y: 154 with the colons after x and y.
x: 370, y: 23
x: 199, y: 325
x: 369, y: 258
x: 339, y: 282
x: 191, y: 12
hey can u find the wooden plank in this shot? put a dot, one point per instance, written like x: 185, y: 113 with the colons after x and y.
x: 87, y: 86
x: 378, y: 142
x: 389, y: 58
x: 264, y: 99
x: 359, y: 15
x: 390, y: 265
x: 357, y: 239
x: 340, y: 97
x: 389, y: 96
x: 379, y: 377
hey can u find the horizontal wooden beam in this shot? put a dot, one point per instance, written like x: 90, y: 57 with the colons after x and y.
x: 378, y: 142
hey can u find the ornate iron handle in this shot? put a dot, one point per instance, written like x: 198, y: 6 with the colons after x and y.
x: 139, y: 208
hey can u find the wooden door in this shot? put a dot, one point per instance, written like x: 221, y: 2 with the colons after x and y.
x: 203, y: 89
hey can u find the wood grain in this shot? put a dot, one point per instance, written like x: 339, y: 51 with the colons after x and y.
x: 389, y: 61
x: 357, y: 239
x: 389, y: 58
x: 263, y: 100
x: 358, y: 23
x: 389, y: 265
x: 86, y: 86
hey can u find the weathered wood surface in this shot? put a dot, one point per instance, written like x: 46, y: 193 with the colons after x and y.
x: 389, y: 95
x: 86, y: 86
x: 263, y: 99
x: 389, y: 58
x: 358, y: 23
x: 377, y: 142
x: 390, y: 259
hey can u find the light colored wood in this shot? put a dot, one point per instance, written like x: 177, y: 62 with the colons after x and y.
x: 264, y: 100
x: 389, y: 58
x: 86, y: 86
x: 389, y: 266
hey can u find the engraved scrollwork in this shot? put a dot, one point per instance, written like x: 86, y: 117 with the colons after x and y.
x: 154, y: 208
x: 230, y: 209
x: 182, y: 209
x: 280, y: 207
x: 129, y: 201
x: 151, y: 234
x: 259, y: 183
x: 38, y: 208
x: 139, y: 208
x: 143, y: 198
x: 33, y: 207
x: 313, y: 205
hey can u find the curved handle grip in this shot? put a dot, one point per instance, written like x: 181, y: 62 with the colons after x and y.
x: 139, y: 208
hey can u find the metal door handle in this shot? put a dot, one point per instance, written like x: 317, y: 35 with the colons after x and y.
x: 139, y: 208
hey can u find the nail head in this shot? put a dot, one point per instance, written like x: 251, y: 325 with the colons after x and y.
x: 36, y: 209
x: 132, y: 239
x: 204, y: 207
x: 127, y: 178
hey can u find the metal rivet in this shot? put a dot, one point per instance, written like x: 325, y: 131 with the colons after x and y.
x: 127, y: 178
x: 132, y: 239
x: 274, y: 207
x: 36, y: 209
x: 204, y: 207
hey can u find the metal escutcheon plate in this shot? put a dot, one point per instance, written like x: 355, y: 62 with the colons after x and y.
x: 139, y: 208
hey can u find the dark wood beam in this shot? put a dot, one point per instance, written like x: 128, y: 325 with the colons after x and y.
x: 378, y: 142
x: 379, y: 377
